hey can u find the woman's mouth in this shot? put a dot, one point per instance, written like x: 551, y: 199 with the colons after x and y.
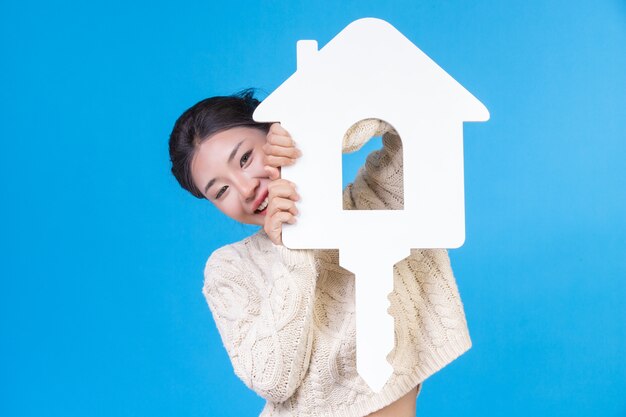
x: 262, y: 206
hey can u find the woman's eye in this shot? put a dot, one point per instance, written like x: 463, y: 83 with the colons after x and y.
x: 221, y: 191
x: 244, y: 158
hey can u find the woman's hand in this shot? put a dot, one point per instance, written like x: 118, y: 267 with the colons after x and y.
x: 281, y: 208
x: 280, y: 150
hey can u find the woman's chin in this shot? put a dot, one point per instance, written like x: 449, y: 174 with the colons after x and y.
x: 256, y: 219
x: 260, y: 217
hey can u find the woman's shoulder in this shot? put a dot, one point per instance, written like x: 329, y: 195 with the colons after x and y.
x: 257, y: 254
x: 237, y: 267
x: 250, y: 248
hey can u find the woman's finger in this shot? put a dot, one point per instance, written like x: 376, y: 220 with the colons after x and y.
x: 274, y: 225
x: 274, y: 231
x: 276, y: 150
x: 277, y: 135
x: 277, y: 128
x: 273, y: 172
x: 281, y: 204
x: 278, y: 161
x: 280, y: 140
x: 282, y: 188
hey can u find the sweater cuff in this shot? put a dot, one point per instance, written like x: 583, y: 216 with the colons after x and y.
x: 295, y: 257
x: 291, y: 257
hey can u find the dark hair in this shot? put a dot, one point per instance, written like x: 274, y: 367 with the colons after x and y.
x: 202, y: 120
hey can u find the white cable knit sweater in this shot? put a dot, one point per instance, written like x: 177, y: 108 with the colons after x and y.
x: 287, y: 318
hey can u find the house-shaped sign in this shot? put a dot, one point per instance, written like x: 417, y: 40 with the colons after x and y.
x: 371, y: 70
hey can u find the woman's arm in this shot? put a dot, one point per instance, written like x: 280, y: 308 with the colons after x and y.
x: 379, y: 183
x: 264, y: 319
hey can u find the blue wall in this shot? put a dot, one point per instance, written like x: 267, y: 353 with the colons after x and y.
x: 101, y: 312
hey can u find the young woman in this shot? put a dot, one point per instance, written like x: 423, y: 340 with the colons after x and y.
x: 286, y: 317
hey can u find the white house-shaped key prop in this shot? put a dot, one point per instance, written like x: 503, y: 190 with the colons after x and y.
x: 371, y: 70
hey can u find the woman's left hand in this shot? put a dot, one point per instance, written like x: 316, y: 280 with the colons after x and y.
x: 280, y: 150
x: 281, y: 208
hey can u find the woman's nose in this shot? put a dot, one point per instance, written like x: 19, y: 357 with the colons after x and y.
x: 246, y: 186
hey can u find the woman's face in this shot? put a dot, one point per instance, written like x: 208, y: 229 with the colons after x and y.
x: 228, y: 168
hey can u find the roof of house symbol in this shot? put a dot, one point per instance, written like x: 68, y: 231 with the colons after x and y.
x: 371, y: 58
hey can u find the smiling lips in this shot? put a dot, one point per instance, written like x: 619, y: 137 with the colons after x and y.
x: 263, y: 205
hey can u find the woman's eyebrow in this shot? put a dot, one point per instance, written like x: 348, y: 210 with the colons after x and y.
x: 209, y: 184
x: 234, y: 152
x: 230, y: 158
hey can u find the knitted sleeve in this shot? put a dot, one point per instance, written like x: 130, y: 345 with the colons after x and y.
x: 262, y: 303
x: 379, y: 183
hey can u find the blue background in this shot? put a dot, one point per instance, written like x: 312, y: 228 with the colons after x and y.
x: 101, y: 311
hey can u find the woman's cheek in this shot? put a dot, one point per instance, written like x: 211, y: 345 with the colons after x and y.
x: 259, y: 162
x: 227, y: 207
